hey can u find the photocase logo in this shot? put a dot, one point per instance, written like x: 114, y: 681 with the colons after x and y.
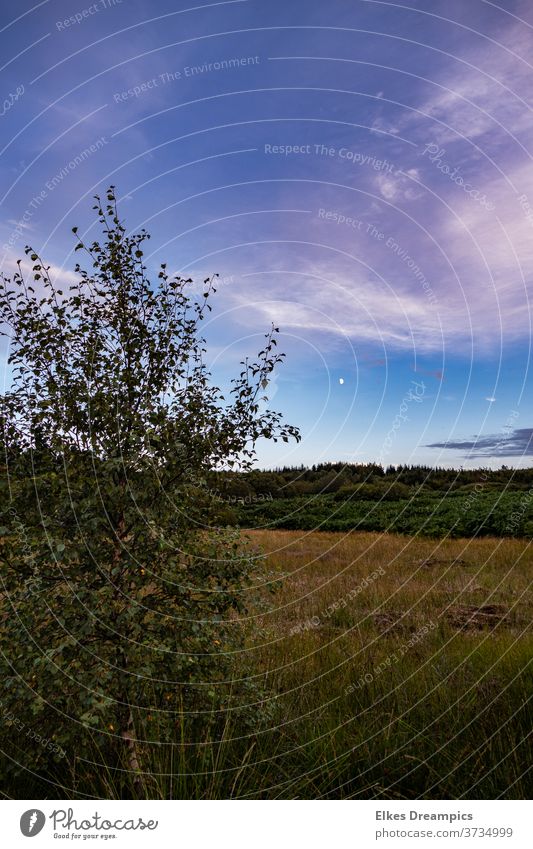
x: 32, y: 822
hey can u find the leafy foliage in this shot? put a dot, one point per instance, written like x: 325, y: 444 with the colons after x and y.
x: 120, y: 590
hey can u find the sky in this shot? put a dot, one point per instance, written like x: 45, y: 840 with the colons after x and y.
x: 357, y: 172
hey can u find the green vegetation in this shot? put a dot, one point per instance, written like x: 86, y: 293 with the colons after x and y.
x: 403, y: 499
x: 118, y: 590
x: 491, y: 513
x: 413, y: 684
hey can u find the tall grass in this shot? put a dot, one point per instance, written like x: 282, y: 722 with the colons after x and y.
x: 393, y: 686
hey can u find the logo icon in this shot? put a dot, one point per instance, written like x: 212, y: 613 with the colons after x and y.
x: 32, y: 822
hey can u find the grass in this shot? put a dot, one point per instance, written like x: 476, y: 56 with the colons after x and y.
x: 398, y: 689
x: 393, y: 667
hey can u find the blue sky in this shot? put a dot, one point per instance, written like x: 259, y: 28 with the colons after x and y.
x: 358, y: 172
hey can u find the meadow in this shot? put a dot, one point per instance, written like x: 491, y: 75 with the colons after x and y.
x: 388, y: 666
x: 401, y: 667
x: 395, y: 667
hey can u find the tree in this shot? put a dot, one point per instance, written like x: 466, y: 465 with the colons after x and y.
x: 118, y: 586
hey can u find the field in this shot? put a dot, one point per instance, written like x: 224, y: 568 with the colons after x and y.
x: 402, y: 668
x: 389, y: 667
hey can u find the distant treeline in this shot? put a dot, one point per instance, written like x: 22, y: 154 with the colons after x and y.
x: 366, y: 480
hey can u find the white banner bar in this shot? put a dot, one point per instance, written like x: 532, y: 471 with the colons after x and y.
x: 268, y: 825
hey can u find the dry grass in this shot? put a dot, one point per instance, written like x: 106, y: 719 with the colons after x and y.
x: 422, y: 579
x: 414, y: 684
